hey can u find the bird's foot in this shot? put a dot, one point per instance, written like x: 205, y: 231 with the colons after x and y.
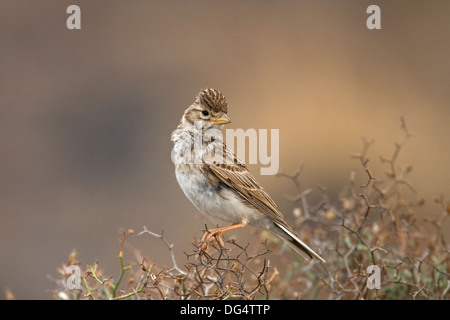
x: 211, y: 237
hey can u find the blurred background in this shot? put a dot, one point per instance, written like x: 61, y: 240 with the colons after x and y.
x: 86, y: 115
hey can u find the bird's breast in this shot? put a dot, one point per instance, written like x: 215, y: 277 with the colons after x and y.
x: 216, y: 200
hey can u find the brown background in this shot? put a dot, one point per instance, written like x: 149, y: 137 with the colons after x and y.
x: 86, y: 116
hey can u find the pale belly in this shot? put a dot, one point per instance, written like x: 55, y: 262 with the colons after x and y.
x: 220, y: 203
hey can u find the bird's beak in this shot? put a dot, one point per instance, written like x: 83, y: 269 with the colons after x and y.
x: 224, y: 120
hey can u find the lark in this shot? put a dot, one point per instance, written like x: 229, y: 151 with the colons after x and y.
x: 218, y: 183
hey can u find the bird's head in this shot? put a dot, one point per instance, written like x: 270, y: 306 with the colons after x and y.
x: 209, y: 108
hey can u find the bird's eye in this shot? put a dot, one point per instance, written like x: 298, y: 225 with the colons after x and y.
x: 205, y: 112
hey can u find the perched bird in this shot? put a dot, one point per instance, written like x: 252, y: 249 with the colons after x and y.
x: 216, y: 181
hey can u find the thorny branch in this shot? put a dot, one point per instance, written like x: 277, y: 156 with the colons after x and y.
x: 169, y: 246
x: 376, y: 225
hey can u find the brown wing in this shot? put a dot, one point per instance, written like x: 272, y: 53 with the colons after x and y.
x: 235, y: 174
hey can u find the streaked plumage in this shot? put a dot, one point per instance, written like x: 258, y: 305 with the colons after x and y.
x: 218, y: 183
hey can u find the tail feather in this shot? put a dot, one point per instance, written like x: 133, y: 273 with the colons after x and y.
x: 296, y: 243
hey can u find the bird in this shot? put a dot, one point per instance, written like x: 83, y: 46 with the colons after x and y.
x: 218, y: 183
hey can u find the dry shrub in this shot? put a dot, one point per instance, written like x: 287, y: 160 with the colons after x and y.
x: 374, y: 224
x: 218, y: 273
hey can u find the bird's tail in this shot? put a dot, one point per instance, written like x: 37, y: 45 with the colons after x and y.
x: 296, y: 243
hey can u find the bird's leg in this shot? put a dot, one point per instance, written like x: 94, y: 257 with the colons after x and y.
x: 215, y: 235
